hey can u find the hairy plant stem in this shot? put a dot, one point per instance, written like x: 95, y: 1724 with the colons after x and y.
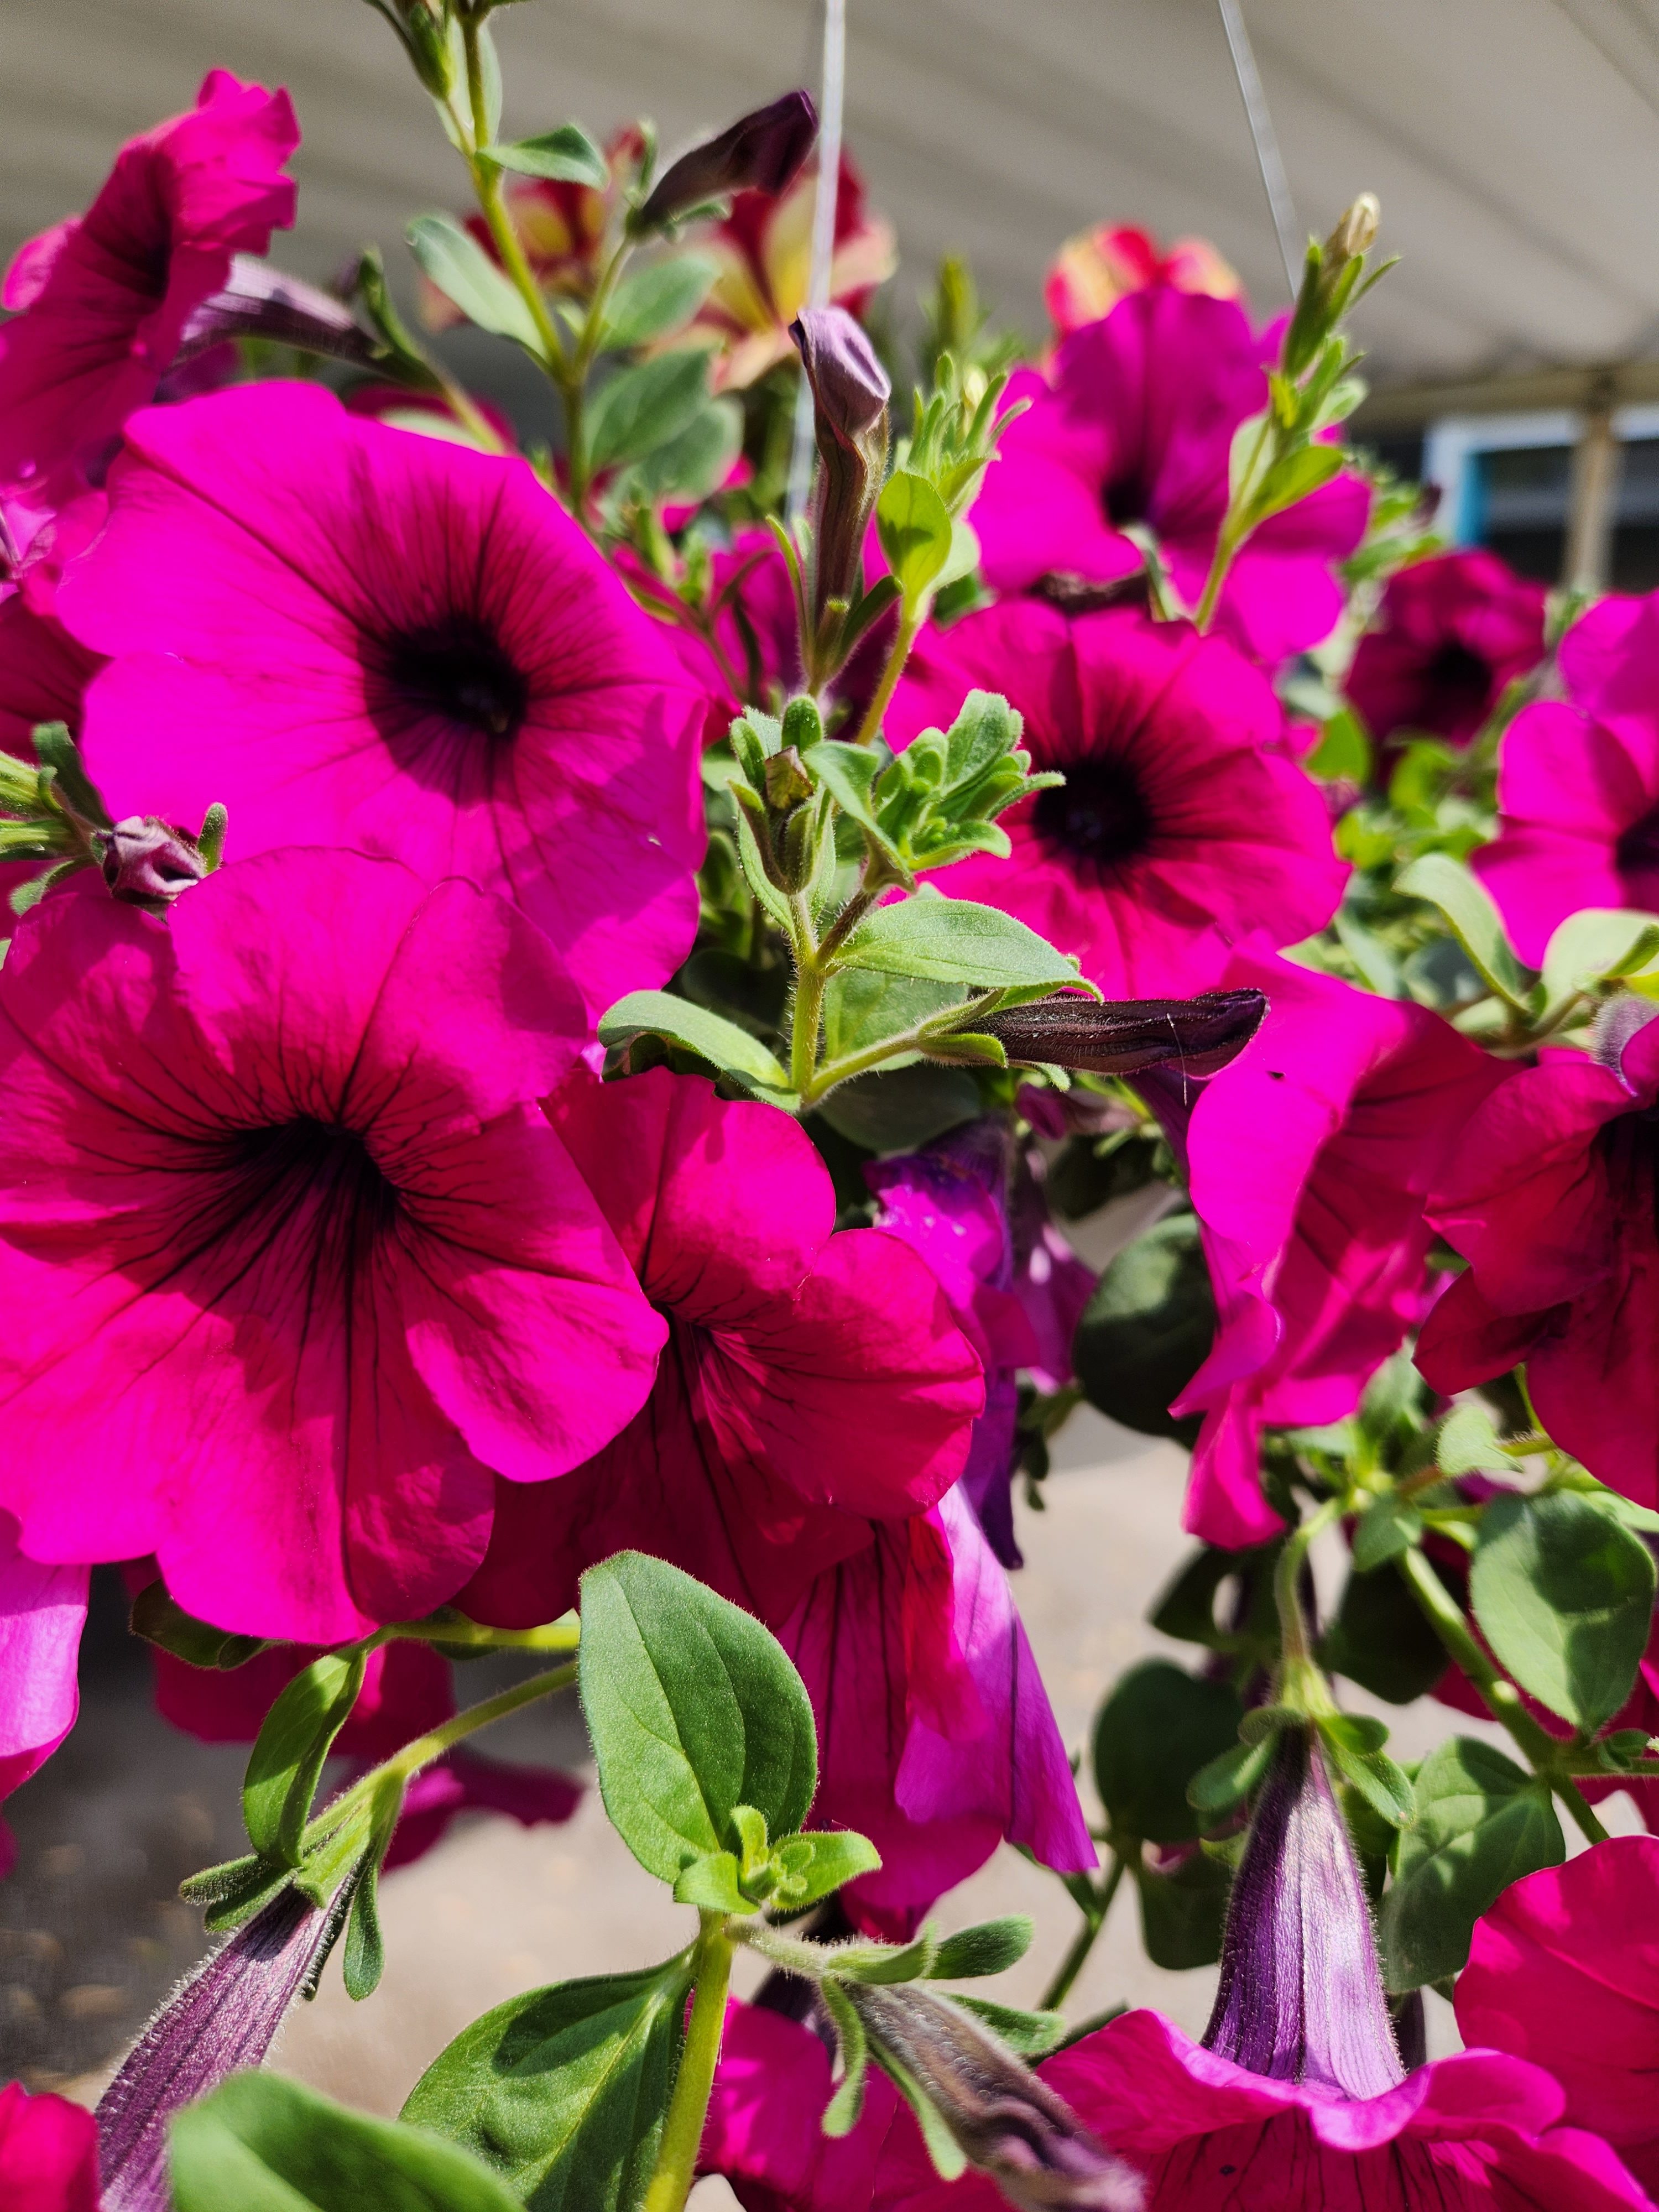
x: 555, y: 1636
x: 1545, y: 1753
x: 910, y: 621
x: 1094, y: 1919
x: 811, y: 980
x: 1300, y: 1679
x: 1233, y: 531
x: 677, y: 2159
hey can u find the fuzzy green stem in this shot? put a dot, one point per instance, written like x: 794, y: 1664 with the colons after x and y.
x: 575, y: 386
x: 554, y: 1635
x: 1296, y: 1653
x: 1234, y: 529
x: 1083, y: 1943
x: 910, y: 624
x: 682, y: 2136
x: 486, y: 184
x: 1544, y: 1752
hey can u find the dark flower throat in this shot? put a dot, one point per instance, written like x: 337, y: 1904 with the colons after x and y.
x: 459, y: 671
x: 1098, y: 815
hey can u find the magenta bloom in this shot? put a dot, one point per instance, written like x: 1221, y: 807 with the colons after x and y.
x: 1478, y: 2132
x: 107, y: 295
x: 1551, y: 1197
x: 42, y: 1612
x: 1450, y: 634
x: 292, y: 1264
x: 353, y: 635
x: 1311, y: 1157
x: 1180, y: 827
x: 810, y: 1382
x: 1135, y: 428
x: 48, y: 2153
x: 1578, y: 783
x: 1564, y: 1970
x: 936, y: 1739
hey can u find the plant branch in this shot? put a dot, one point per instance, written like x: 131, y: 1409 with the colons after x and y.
x: 910, y: 621
x: 681, y: 2137
x: 1094, y: 1919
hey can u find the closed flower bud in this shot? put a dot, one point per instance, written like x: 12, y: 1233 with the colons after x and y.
x: 223, y: 2018
x: 1355, y: 232
x: 760, y: 152
x: 148, y: 862
x: 1004, y: 2118
x: 1301, y: 1994
x: 850, y: 392
x: 1192, y: 1036
x: 425, y: 35
x: 261, y: 302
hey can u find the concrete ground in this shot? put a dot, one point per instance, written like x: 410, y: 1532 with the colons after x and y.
x: 91, y: 1933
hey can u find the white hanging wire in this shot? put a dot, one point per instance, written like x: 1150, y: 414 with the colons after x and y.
x: 1275, y: 183
x: 833, y: 91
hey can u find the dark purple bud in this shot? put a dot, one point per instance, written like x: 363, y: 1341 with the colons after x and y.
x: 261, y: 302
x: 1301, y: 1994
x: 850, y: 392
x: 1005, y: 2119
x: 223, y: 2017
x: 1195, y: 1037
x: 760, y: 152
x: 148, y: 862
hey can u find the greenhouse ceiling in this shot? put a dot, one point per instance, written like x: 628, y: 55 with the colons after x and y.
x: 1514, y: 144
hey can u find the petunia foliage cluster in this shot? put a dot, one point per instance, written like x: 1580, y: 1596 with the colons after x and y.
x: 616, y: 1012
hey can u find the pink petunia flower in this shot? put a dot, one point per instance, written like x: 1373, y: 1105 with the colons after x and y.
x: 1179, y: 826
x: 1310, y: 1159
x: 1097, y: 268
x: 1564, y: 1970
x: 107, y: 295
x: 1578, y: 783
x: 352, y: 635
x: 292, y: 1264
x: 1550, y: 1195
x: 1477, y: 2132
x: 935, y: 1734
x: 810, y: 1382
x: 43, y: 1610
x: 1135, y: 429
x: 1451, y: 633
x: 48, y: 2153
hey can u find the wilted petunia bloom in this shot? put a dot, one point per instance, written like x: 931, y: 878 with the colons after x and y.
x: 1578, y: 783
x: 762, y: 253
x: 1135, y: 429
x: 936, y: 1737
x: 351, y: 635
x: 1564, y: 1970
x: 1310, y: 1158
x: 1451, y: 633
x: 1179, y: 826
x: 105, y: 296
x: 1479, y: 2132
x: 48, y: 2153
x: 292, y: 1264
x: 1097, y: 268
x: 810, y: 1382
x: 1551, y: 1197
x: 1301, y: 1994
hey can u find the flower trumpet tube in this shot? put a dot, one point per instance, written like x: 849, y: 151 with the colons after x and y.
x: 1301, y: 1994
x: 224, y: 2016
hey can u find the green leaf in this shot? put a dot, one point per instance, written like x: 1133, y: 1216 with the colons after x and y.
x: 1467, y: 1442
x: 812, y: 1865
x: 1343, y: 750
x: 286, y: 1763
x: 885, y: 1963
x: 1032, y: 2034
x: 563, y: 2091
x: 162, y: 1621
x: 841, y: 2114
x: 1293, y: 477
x: 1380, y: 1640
x: 1481, y: 1824
x: 1354, y: 1742
x: 848, y: 773
x: 1157, y: 1729
x: 861, y: 1007
x: 645, y: 405
x: 465, y: 274
x: 711, y: 1884
x: 913, y: 525
x: 990, y: 1946
x: 1147, y: 1329
x: 720, y: 1042
x: 695, y: 463
x: 54, y: 747
x: 565, y: 156
x: 655, y: 298
x: 1390, y: 1526
x: 262, y: 2144
x: 693, y: 1708
x: 1182, y: 1912
x: 1564, y: 1596
x: 1593, y: 945
x: 954, y: 941
x: 1474, y: 921
x: 1232, y: 1775
x: 233, y: 1890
